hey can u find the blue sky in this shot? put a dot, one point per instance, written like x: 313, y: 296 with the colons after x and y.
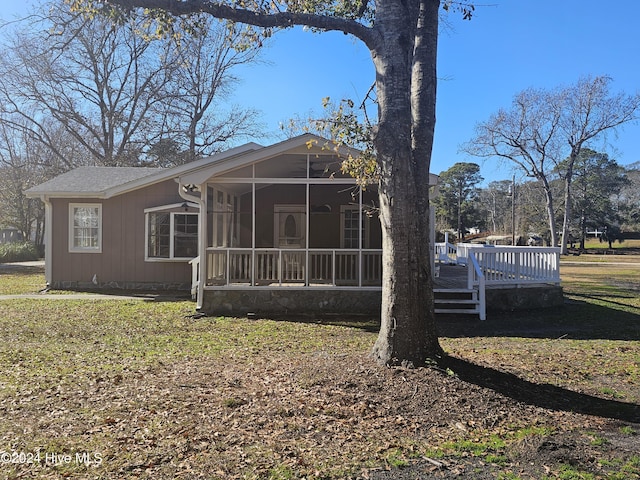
x: 508, y: 46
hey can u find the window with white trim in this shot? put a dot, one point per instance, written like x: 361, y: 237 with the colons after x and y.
x: 159, y: 235
x: 172, y: 235
x: 85, y: 227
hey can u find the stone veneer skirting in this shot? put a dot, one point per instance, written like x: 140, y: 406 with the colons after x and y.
x: 524, y: 298
x: 302, y: 301
x: 148, y: 286
x: 290, y: 301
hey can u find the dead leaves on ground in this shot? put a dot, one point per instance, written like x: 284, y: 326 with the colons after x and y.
x: 315, y: 414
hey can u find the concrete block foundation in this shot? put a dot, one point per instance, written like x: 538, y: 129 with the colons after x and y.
x: 317, y: 302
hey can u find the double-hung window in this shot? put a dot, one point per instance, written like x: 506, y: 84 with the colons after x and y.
x: 85, y: 227
x: 171, y: 235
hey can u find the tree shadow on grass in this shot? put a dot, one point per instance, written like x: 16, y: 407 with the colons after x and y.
x: 541, y: 395
x: 578, y: 319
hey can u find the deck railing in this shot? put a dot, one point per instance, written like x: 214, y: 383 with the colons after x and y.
x: 477, y: 281
x: 514, y: 265
x: 445, y: 252
x: 291, y: 267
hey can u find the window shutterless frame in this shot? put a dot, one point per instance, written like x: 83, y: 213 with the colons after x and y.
x: 182, y: 227
x: 85, y: 228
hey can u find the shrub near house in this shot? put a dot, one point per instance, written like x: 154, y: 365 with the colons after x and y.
x: 18, y: 252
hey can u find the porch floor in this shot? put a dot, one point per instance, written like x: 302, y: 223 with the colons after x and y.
x: 451, y: 277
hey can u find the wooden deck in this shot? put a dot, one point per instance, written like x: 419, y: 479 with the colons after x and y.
x: 451, y: 277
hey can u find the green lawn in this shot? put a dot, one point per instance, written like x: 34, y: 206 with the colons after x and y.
x: 141, y: 389
x: 16, y: 281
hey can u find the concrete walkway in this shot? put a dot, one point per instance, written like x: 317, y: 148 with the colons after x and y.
x: 35, y: 263
x: 78, y: 296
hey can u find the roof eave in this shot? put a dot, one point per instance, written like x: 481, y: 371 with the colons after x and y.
x: 175, y: 172
x: 201, y: 175
x: 58, y: 194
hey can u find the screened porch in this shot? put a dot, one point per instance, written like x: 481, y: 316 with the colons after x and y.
x: 292, y: 220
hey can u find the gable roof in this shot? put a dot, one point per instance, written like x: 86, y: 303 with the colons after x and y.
x: 309, y: 142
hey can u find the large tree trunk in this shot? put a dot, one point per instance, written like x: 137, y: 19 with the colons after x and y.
x: 567, y: 200
x: 551, y: 214
x: 567, y: 217
x: 405, y: 61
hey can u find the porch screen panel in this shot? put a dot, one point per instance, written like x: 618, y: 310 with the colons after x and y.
x: 224, y: 228
x: 324, y: 214
x: 244, y: 219
x: 283, y: 166
x: 210, y: 215
x: 351, y: 228
x: 370, y: 202
x: 231, y: 230
x: 326, y: 166
x: 280, y: 219
x: 219, y: 222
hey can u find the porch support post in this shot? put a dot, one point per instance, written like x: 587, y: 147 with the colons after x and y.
x: 202, y: 235
x: 306, y: 236
x: 360, y: 237
x: 202, y: 244
x: 253, y: 226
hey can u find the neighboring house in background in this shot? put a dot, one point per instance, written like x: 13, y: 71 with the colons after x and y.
x: 10, y: 235
x: 266, y: 229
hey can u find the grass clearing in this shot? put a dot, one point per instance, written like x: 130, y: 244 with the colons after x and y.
x: 18, y: 281
x: 139, y: 389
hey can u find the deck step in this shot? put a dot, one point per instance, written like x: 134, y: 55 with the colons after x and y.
x: 457, y: 310
x: 456, y: 300
x: 453, y: 290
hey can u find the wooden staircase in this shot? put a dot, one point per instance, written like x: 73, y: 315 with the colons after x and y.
x: 456, y: 301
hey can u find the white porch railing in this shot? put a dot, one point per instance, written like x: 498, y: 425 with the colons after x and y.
x: 445, y: 252
x: 476, y: 281
x: 508, y: 265
x: 195, y: 275
x: 291, y: 267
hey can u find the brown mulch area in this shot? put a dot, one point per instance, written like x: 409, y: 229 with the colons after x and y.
x: 322, y: 415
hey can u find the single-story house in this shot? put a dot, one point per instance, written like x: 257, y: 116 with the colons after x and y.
x: 253, y: 229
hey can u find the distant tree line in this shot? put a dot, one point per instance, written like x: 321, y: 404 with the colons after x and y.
x: 547, y: 136
x: 543, y: 134
x: 605, y: 197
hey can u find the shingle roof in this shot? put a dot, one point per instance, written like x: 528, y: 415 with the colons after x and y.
x: 92, y: 180
x: 104, y: 182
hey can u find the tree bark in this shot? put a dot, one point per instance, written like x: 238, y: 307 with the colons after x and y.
x: 405, y: 62
x: 568, y: 178
x: 550, y: 212
x: 567, y: 214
